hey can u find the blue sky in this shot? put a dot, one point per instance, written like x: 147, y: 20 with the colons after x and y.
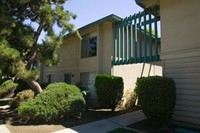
x: 88, y: 11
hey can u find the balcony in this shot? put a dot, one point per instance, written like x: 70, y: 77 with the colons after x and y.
x: 137, y: 38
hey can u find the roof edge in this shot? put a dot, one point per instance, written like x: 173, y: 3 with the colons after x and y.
x: 109, y: 17
x: 139, y: 2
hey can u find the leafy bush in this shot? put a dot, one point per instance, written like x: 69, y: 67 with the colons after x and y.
x: 6, y: 88
x: 57, y: 100
x: 22, y: 97
x: 109, y: 90
x: 128, y: 100
x: 156, y: 96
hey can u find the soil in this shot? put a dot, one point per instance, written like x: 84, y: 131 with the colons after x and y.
x: 14, y: 124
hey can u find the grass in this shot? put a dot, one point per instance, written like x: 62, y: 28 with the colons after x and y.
x: 121, y: 130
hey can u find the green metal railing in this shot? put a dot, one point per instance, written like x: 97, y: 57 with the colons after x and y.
x: 136, y: 38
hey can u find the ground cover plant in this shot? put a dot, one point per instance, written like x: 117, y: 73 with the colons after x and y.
x: 58, y: 100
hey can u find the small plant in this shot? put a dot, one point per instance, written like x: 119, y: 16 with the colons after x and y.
x: 127, y: 101
x: 156, y: 96
x: 7, y: 88
x: 109, y: 90
x: 22, y: 97
x: 57, y: 100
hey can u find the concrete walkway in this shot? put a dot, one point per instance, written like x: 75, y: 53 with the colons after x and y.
x: 105, y: 125
x: 3, y: 128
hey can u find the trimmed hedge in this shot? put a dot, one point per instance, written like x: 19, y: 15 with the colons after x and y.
x: 109, y: 90
x: 6, y: 88
x: 57, y: 100
x: 156, y: 96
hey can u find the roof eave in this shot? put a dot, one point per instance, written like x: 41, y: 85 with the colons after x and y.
x: 109, y: 17
x: 147, y: 3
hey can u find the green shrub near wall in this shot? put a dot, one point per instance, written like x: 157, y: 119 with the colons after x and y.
x: 6, y: 88
x: 57, y: 100
x: 156, y: 96
x: 109, y: 90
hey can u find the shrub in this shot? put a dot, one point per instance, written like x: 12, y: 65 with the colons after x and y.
x: 7, y: 88
x: 128, y: 100
x: 109, y: 90
x: 57, y: 100
x: 22, y: 97
x: 156, y: 96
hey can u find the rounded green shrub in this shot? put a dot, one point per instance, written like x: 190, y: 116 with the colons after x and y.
x: 7, y: 88
x: 109, y: 90
x: 22, y: 97
x: 57, y: 100
x: 156, y: 96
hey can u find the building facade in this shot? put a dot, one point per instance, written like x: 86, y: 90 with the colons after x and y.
x: 82, y: 60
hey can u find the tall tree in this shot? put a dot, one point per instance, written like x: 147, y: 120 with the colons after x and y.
x: 21, y: 24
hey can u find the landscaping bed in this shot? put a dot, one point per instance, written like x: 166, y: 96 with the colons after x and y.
x: 14, y: 124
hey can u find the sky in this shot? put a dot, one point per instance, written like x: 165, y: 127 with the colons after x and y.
x: 88, y: 11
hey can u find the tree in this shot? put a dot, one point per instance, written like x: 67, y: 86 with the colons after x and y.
x: 21, y: 24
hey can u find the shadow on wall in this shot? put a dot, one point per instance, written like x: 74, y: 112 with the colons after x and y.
x: 131, y: 72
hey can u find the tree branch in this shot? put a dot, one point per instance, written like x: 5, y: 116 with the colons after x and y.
x: 33, y: 54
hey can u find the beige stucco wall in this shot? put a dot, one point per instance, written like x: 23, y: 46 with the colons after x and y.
x: 130, y: 73
x: 69, y: 62
x: 107, y: 48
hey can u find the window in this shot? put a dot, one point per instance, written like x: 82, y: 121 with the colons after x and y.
x: 67, y: 78
x: 49, y: 78
x: 88, y: 46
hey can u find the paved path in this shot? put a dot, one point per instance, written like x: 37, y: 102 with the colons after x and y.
x: 105, y: 125
x: 3, y: 128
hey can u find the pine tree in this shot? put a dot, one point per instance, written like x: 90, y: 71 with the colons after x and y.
x: 21, y: 24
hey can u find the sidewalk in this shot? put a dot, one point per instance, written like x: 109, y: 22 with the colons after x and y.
x: 3, y: 128
x: 105, y: 125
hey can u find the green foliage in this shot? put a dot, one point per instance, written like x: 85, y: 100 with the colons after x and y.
x: 57, y: 100
x: 22, y: 97
x: 109, y: 90
x: 22, y: 23
x: 156, y: 96
x: 6, y: 88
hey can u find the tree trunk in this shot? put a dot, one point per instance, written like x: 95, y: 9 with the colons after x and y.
x: 35, y: 86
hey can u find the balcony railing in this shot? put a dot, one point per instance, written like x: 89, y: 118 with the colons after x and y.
x: 136, y: 38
